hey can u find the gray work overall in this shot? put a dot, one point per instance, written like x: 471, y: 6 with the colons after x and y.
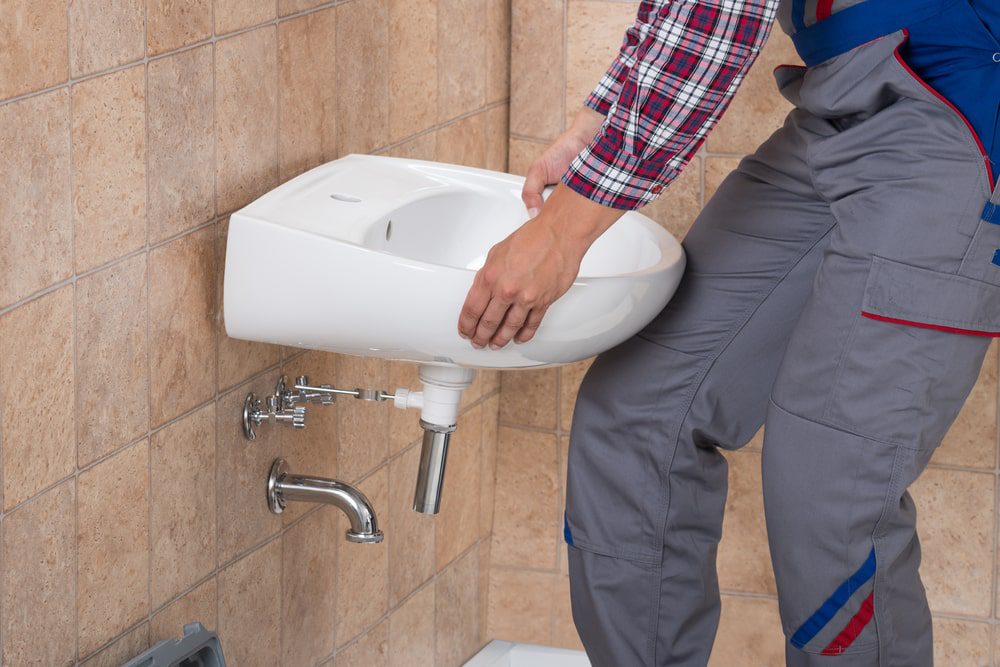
x: 842, y: 288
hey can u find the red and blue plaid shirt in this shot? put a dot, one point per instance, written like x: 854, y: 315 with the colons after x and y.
x: 679, y: 66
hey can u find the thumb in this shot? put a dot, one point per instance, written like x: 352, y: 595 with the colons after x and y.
x: 534, y: 183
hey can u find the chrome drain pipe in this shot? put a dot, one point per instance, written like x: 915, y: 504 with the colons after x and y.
x: 430, y: 475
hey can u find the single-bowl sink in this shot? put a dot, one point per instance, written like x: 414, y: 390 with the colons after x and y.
x: 373, y: 256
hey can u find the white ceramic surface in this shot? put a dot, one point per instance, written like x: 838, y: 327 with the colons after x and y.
x: 508, y: 654
x: 373, y: 256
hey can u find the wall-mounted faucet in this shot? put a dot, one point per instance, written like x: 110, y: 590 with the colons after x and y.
x: 283, y: 486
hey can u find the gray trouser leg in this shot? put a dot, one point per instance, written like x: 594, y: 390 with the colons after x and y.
x: 835, y: 285
x: 647, y: 486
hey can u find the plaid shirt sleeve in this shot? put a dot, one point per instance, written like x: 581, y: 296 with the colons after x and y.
x: 678, y: 68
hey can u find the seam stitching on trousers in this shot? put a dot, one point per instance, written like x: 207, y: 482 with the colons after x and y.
x: 689, y: 398
x: 843, y: 352
x: 879, y: 604
x: 845, y: 428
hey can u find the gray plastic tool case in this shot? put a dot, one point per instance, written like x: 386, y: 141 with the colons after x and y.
x: 197, y: 648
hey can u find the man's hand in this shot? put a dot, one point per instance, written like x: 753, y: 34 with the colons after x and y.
x: 526, y: 272
x: 553, y: 163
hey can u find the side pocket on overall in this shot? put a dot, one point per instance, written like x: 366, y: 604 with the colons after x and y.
x: 914, y: 354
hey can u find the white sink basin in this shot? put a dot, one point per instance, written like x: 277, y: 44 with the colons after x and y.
x: 373, y: 256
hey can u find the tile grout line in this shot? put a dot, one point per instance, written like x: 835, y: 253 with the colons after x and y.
x: 146, y: 58
x: 149, y: 350
x: 76, y: 333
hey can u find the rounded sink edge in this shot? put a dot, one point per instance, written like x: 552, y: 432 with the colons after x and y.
x: 671, y: 251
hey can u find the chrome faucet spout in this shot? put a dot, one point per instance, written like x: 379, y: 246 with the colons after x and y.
x: 283, y: 486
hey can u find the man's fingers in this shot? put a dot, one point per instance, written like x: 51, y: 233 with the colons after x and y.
x: 490, y: 321
x: 534, y: 183
x: 512, y: 323
x: 534, y: 319
x: 473, y: 309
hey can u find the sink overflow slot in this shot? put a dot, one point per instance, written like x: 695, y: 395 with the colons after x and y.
x: 388, y: 230
x: 351, y: 199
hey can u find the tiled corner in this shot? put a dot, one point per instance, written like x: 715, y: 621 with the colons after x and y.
x: 955, y: 512
x: 250, y: 607
x: 113, y: 546
x: 171, y: 24
x: 497, y: 131
x: 411, y: 631
x: 594, y: 33
x: 463, y: 142
x: 536, y: 90
x: 38, y: 426
x: 182, y: 516
x: 716, y: 170
x: 529, y: 398
x: 411, y: 549
x: 363, y: 426
x: 498, y: 37
x: 39, y: 579
x: 181, y: 111
x: 370, y: 650
x: 749, y: 633
x: 200, y: 604
x: 362, y: 76
x: 679, y: 205
x: 109, y: 166
x: 484, y: 588
x: 456, y: 611
x: 527, y: 491
x: 112, y: 380
x: 744, y: 561
x: 363, y: 569
x: 564, y: 632
x: 309, y: 587
x: 522, y: 153
x: 104, y: 34
x: 972, y: 439
x: 231, y: 15
x: 413, y: 72
x: 307, y: 57
x: 456, y: 528
x: 570, y: 377
x: 123, y: 649
x: 34, y: 56
x: 461, y: 57
x: 36, y: 234
x: 521, y: 605
x: 243, y: 517
x: 758, y: 109
x: 182, y: 312
x: 246, y: 117
x: 488, y: 465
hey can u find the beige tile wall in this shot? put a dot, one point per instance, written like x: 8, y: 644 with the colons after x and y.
x: 131, y: 503
x: 559, y: 50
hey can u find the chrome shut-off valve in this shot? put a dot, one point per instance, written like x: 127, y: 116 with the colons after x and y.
x: 288, y: 404
x: 272, y: 409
